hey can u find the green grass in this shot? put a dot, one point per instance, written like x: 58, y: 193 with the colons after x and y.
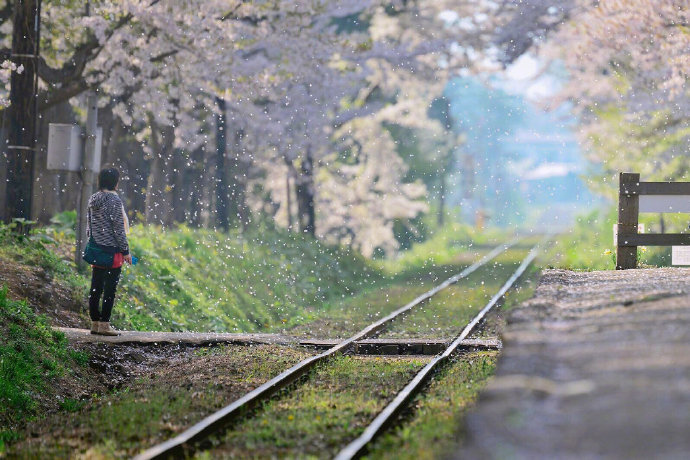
x: 32, y: 356
x: 449, y: 311
x: 321, y: 415
x: 442, y: 248
x: 589, y: 244
x: 443, y: 316
x: 40, y: 250
x: 194, y: 279
x: 430, y: 431
x: 191, y: 279
x: 157, y: 405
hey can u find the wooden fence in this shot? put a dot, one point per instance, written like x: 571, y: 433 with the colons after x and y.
x: 635, y: 197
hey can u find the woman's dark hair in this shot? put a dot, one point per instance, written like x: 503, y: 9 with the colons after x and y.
x: 108, y: 179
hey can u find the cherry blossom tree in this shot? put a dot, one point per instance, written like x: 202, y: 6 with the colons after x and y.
x: 627, y: 62
x: 208, y: 100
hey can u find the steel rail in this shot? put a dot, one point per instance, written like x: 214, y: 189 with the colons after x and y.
x: 388, y: 415
x: 184, y: 443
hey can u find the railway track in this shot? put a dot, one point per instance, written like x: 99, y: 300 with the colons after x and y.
x: 390, y: 413
x: 185, y: 443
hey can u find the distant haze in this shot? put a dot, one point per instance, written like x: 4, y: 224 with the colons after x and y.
x: 519, y: 164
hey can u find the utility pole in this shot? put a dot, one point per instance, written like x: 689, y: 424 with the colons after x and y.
x: 87, y: 165
x: 21, y: 138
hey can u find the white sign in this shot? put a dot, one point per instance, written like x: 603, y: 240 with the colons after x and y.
x: 640, y: 229
x: 65, y: 146
x: 664, y: 203
x: 680, y: 255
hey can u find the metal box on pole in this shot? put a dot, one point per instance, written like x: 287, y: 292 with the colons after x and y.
x: 65, y: 147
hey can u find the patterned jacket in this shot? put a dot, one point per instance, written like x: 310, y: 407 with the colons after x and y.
x: 105, y: 221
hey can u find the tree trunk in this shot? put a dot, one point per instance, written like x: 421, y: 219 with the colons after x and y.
x: 180, y: 196
x: 115, y: 134
x: 288, y: 201
x: 237, y: 169
x: 440, y: 218
x: 196, y: 179
x: 158, y: 196
x: 20, y: 148
x: 305, y: 195
x: 222, y: 192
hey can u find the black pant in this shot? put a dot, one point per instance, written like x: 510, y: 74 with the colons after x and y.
x: 103, y: 281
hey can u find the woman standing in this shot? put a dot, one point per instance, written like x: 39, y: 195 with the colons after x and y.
x: 107, y: 227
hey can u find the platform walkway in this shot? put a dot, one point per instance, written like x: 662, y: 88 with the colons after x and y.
x: 190, y: 338
x: 596, y: 365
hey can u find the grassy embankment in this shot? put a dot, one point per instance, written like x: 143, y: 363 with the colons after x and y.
x: 191, y: 279
x: 34, y: 360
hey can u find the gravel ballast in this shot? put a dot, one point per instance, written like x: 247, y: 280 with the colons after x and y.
x: 595, y: 365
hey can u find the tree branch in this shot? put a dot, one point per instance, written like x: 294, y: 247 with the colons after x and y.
x: 72, y: 68
x: 48, y: 99
x: 165, y: 55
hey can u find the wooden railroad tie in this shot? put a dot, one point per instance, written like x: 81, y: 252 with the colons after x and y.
x: 361, y: 347
x: 407, y: 346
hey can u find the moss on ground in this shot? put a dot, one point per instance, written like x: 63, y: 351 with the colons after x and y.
x: 158, y: 404
x: 447, y: 313
x: 321, y: 415
x: 431, y: 430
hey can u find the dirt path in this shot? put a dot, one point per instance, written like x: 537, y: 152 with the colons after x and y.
x: 596, y: 365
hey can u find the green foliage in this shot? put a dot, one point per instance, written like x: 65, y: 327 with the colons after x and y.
x: 191, y: 279
x: 441, y: 248
x: 40, y: 248
x: 32, y: 354
x: 652, y: 144
x: 408, y: 232
x: 64, y: 222
x: 71, y: 405
x: 589, y: 244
